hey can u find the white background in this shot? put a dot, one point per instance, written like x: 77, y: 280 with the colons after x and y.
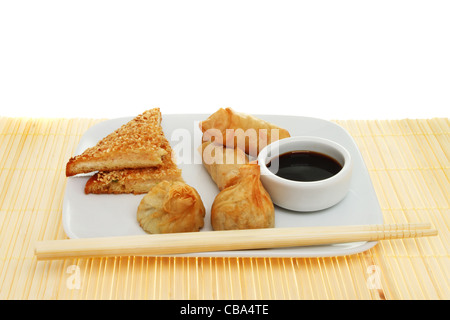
x: 326, y: 59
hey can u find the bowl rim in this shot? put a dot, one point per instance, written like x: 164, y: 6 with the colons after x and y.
x: 346, y: 168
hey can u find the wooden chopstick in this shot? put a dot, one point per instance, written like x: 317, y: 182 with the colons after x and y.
x: 208, y: 241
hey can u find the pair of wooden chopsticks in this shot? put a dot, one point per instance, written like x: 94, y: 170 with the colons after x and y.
x: 208, y: 241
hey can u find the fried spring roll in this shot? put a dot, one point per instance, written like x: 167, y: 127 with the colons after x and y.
x: 222, y: 163
x: 238, y: 130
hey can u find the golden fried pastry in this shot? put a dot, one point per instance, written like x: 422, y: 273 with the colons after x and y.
x: 171, y: 206
x: 243, y: 205
x: 222, y: 163
x: 135, y: 181
x: 136, y: 144
x: 234, y: 129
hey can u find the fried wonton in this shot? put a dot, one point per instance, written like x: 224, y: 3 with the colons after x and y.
x: 243, y: 205
x: 169, y: 207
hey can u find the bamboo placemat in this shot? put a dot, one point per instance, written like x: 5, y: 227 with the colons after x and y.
x: 408, y: 161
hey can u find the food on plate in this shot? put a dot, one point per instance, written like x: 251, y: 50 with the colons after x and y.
x: 169, y: 207
x: 132, y: 159
x: 138, y: 159
x: 244, y: 131
x: 244, y: 204
x: 222, y: 163
x: 136, y: 144
x: 135, y: 181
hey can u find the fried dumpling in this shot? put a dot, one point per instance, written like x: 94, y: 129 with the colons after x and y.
x: 243, y: 205
x: 169, y: 207
x: 239, y: 130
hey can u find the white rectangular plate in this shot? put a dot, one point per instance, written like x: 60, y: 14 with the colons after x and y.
x: 92, y: 215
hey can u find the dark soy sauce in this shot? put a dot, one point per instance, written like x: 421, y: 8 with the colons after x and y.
x: 304, y: 166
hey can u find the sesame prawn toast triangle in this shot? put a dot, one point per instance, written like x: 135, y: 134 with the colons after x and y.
x: 135, y: 181
x: 136, y: 144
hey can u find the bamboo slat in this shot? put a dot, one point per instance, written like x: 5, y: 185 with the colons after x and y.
x: 408, y: 161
